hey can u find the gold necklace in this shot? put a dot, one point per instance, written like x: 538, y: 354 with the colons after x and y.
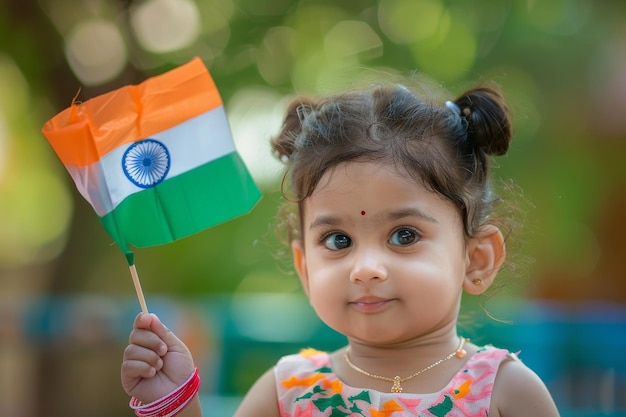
x: 396, y: 387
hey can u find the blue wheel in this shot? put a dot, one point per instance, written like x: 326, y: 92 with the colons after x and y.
x: 146, y: 163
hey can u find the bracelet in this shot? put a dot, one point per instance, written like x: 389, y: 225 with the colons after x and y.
x: 172, y: 403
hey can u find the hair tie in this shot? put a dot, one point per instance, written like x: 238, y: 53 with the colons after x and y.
x: 462, y: 135
x: 302, y: 111
x: 453, y: 106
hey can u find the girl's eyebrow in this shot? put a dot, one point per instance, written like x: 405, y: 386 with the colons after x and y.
x: 411, y: 212
x: 324, y: 221
x: 331, y: 221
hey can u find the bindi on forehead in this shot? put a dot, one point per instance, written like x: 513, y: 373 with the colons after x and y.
x: 362, y: 212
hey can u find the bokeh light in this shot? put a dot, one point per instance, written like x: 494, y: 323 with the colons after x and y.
x: 560, y: 17
x: 275, y: 55
x: 4, y: 145
x: 35, y: 208
x: 254, y: 114
x: 96, y: 51
x: 261, y: 316
x: 408, y: 21
x: 349, y: 38
x: 449, y: 53
x: 165, y: 25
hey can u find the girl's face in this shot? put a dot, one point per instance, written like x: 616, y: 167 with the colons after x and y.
x: 383, y: 260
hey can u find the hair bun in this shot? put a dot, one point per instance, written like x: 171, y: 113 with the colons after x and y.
x: 487, y: 115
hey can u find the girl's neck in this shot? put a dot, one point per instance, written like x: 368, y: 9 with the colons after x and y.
x: 431, y: 357
x: 432, y: 344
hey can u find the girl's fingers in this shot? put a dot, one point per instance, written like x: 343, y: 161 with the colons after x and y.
x: 164, y: 333
x: 132, y: 369
x: 149, y: 331
x: 149, y: 340
x: 142, y: 321
x: 142, y: 354
x: 155, y: 359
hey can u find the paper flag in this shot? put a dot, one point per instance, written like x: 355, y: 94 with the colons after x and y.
x: 156, y: 160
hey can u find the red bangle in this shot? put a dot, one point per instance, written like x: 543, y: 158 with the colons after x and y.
x: 172, y: 403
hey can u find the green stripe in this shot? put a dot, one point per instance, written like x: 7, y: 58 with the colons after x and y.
x: 188, y: 203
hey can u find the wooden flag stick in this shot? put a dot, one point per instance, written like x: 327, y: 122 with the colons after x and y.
x: 138, y: 290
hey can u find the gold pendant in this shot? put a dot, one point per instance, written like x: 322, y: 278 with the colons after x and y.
x: 396, y: 385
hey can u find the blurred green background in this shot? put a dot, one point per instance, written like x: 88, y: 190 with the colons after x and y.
x: 66, y: 297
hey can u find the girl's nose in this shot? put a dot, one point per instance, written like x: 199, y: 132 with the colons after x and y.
x: 367, y: 267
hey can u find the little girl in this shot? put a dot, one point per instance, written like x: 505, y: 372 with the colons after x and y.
x: 393, y: 222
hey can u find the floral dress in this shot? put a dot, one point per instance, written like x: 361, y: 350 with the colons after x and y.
x: 307, y: 386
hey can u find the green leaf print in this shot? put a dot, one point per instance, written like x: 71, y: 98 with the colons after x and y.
x: 333, y: 402
x: 338, y: 413
x: 441, y: 409
x: 363, y: 396
x: 355, y: 409
x: 316, y: 390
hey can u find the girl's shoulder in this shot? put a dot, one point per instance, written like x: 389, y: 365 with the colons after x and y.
x: 311, y: 356
x: 304, y: 362
x: 261, y: 399
x: 489, y: 356
x: 518, y: 391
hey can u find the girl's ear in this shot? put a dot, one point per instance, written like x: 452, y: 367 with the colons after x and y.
x: 299, y: 262
x: 486, y: 253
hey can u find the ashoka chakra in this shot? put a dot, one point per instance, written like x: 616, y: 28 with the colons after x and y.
x: 146, y: 163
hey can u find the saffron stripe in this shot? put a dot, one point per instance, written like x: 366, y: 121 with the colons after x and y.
x: 83, y: 133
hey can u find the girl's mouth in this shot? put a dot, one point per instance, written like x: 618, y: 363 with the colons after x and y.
x: 371, y: 304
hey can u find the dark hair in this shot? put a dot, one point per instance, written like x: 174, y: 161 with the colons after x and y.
x: 445, y: 146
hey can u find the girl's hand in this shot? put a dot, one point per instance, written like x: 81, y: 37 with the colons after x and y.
x: 155, y: 362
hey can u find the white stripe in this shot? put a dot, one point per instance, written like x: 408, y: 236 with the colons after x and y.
x: 191, y: 144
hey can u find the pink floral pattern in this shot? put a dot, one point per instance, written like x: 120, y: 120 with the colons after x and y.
x: 307, y: 386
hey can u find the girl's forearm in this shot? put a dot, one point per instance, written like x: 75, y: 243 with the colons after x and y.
x: 193, y: 409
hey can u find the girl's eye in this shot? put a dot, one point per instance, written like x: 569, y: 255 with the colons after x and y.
x: 337, y: 241
x: 403, y: 237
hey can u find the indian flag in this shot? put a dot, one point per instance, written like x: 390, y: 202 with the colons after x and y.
x: 156, y: 160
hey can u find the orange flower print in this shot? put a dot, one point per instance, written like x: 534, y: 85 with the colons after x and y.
x: 389, y: 408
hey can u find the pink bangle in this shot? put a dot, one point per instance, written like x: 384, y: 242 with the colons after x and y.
x: 172, y: 403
